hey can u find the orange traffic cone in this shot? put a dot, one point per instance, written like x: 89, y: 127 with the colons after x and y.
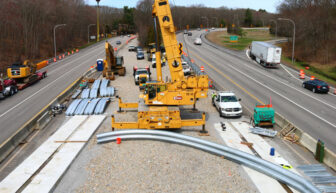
x: 118, y: 140
x: 54, y: 59
x: 76, y: 50
x: 72, y: 52
x: 312, y: 77
x: 202, y: 68
x: 302, y: 74
x: 59, y: 57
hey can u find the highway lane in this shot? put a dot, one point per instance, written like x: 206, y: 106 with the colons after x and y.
x: 18, y: 109
x: 314, y: 113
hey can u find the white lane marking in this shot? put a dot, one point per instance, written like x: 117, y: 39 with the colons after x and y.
x: 290, y: 73
x: 285, y: 97
x: 264, y: 74
x: 329, y: 123
x: 47, y: 85
x: 51, y: 71
x: 96, y: 47
x: 285, y: 68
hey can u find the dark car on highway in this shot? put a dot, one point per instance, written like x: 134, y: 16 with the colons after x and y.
x: 140, y: 55
x: 118, y: 42
x: 316, y: 86
x: 131, y: 48
x: 138, y: 49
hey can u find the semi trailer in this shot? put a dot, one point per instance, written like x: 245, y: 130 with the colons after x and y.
x: 265, y: 53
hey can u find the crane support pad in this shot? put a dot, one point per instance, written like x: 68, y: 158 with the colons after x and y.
x: 159, y: 118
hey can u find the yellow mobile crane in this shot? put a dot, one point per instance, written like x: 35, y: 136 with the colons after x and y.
x: 161, y: 99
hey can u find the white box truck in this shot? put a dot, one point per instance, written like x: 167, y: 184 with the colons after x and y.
x: 265, y: 53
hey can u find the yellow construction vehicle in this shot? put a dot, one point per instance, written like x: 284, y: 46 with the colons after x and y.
x: 113, y: 64
x: 150, y: 51
x: 26, y: 73
x: 160, y: 108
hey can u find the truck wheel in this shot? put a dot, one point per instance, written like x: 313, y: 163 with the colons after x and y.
x: 12, y: 92
x: 253, y: 124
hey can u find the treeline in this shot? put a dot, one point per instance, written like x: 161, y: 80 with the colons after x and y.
x: 198, y: 15
x: 26, y: 27
x: 315, y: 22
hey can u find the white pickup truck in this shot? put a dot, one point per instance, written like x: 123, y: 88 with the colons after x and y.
x: 141, y: 75
x: 227, y: 104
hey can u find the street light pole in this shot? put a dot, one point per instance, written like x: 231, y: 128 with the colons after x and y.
x: 56, y: 26
x: 285, y: 19
x: 207, y: 20
x: 89, y: 31
x: 97, y: 20
x: 216, y: 21
x: 276, y: 27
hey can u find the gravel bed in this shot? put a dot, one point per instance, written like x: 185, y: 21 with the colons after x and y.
x: 151, y: 166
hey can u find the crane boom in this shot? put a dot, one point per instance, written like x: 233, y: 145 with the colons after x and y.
x: 180, y: 90
x: 162, y: 13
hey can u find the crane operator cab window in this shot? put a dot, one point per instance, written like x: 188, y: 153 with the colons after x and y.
x: 152, y: 90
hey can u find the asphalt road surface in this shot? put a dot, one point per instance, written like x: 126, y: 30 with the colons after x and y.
x: 233, y: 70
x: 18, y: 109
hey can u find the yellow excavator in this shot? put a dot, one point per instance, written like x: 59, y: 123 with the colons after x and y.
x: 26, y: 73
x: 161, y: 100
x: 113, y: 64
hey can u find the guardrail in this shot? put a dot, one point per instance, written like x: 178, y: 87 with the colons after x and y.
x: 39, y: 121
x: 240, y: 157
x: 305, y: 139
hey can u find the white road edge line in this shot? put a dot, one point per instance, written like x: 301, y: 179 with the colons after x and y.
x: 296, y: 89
x: 285, y: 68
x: 286, y: 98
x: 329, y: 123
x: 47, y: 84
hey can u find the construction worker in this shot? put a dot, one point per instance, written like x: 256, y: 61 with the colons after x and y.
x: 213, y: 95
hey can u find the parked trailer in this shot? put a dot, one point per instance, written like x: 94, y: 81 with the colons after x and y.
x: 265, y: 53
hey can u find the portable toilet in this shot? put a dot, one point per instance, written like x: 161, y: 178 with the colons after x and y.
x: 100, y: 64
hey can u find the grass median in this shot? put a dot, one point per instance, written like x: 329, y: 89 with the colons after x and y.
x: 323, y: 72
x: 222, y: 38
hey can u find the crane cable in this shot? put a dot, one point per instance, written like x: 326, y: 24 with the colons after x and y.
x: 184, y: 42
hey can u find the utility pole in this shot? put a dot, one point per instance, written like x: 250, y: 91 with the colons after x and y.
x: 276, y: 27
x: 207, y: 20
x: 97, y: 20
x: 89, y: 31
x: 56, y: 26
x: 285, y: 19
x: 216, y: 21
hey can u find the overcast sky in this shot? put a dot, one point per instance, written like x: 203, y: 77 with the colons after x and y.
x: 269, y: 5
